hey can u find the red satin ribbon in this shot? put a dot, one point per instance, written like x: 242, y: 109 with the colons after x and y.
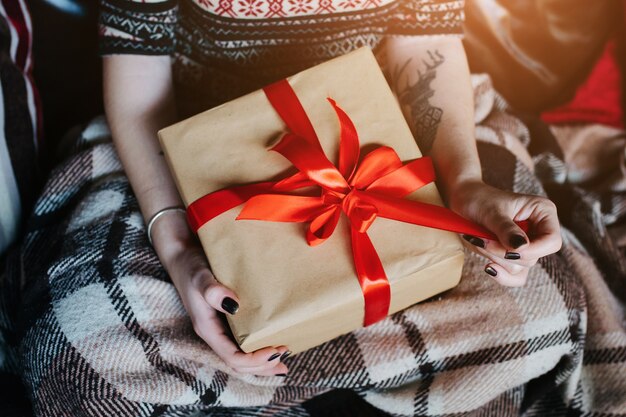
x: 376, y: 187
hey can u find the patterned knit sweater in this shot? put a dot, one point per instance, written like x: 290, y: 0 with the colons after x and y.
x: 222, y: 49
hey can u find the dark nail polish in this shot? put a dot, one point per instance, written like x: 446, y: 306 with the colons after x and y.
x: 516, y: 241
x: 476, y: 241
x: 285, y: 355
x: 274, y: 356
x: 230, y: 305
x: 491, y: 271
x: 281, y: 375
x: 512, y: 255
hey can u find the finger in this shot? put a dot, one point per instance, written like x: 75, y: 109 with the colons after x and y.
x: 212, y: 330
x: 215, y: 294
x: 262, y: 360
x: 512, y: 267
x: 546, y: 231
x: 492, y: 246
x: 271, y: 368
x: 494, y: 251
x: 509, y: 234
x: 218, y: 338
x: 266, y: 372
x: 209, y: 326
x: 503, y: 277
x: 265, y: 358
x: 269, y: 356
x: 279, y: 370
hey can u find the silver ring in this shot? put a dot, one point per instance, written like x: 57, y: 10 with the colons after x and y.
x: 158, y: 214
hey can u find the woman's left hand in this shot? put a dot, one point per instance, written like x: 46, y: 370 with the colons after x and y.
x: 515, y: 251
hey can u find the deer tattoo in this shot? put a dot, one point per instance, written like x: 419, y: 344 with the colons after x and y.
x: 416, y: 96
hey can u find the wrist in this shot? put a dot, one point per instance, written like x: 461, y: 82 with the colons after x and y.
x: 456, y: 173
x: 170, y: 236
x: 463, y: 190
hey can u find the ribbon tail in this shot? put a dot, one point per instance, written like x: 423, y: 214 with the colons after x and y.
x: 323, y: 226
x: 286, y: 103
x: 372, y: 278
x: 381, y: 161
x: 424, y: 214
x: 348, y: 142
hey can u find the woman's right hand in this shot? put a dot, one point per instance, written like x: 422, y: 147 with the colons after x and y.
x: 205, y: 298
x: 139, y: 100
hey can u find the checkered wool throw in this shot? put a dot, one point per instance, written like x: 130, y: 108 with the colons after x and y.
x: 98, y: 329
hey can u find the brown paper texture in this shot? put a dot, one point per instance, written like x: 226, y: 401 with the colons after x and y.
x: 293, y: 294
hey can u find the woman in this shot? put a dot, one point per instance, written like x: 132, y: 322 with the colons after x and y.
x: 166, y: 60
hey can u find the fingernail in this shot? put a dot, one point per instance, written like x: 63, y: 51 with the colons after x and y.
x: 281, y: 375
x: 491, y: 271
x: 285, y: 355
x: 476, y: 241
x: 230, y: 305
x: 516, y: 241
x: 512, y: 255
x: 274, y: 356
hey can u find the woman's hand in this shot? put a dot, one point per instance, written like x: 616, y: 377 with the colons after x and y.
x: 204, y: 298
x: 514, y: 252
x: 139, y: 100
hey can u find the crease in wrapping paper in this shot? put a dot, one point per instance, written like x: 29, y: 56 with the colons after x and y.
x: 269, y: 265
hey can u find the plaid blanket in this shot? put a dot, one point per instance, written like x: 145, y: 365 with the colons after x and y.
x: 98, y: 328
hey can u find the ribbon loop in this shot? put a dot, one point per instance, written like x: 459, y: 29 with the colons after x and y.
x: 285, y: 101
x: 381, y: 161
x: 323, y: 226
x: 406, y: 179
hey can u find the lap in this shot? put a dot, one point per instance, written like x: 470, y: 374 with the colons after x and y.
x: 103, y: 327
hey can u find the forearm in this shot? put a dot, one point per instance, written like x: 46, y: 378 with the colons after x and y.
x: 431, y: 78
x: 139, y: 100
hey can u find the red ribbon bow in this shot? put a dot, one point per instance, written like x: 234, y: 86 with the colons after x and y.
x: 375, y: 187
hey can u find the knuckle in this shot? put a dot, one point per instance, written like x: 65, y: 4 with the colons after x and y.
x: 550, y: 204
x: 202, y: 279
x: 502, y: 222
x: 198, y: 279
x: 212, y: 285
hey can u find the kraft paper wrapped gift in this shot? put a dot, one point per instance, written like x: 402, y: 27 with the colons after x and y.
x: 291, y: 293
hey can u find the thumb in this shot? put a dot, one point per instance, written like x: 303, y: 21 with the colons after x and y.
x: 220, y: 297
x: 510, y: 235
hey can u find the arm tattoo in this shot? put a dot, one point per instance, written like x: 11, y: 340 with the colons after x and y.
x: 415, y: 97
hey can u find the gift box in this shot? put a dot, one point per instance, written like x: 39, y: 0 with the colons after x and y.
x: 297, y: 289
